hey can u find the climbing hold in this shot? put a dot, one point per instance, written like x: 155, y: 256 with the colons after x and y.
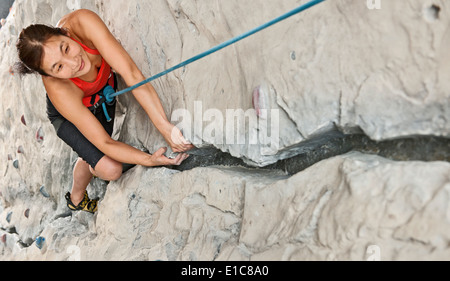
x: 44, y: 192
x: 40, y: 135
x: 431, y: 13
x: 9, y: 113
x: 8, y: 217
x: 256, y: 100
x: 10, y: 157
x: 23, y: 120
x: 4, y: 238
x: 16, y: 164
x: 293, y: 55
x: 20, y: 149
x: 40, y: 242
x: 27, y: 213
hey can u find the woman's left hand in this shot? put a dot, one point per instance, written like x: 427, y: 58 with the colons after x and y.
x: 175, y: 139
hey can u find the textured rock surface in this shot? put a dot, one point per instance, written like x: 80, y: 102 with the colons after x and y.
x: 339, y: 65
x: 382, y: 71
x: 334, y: 210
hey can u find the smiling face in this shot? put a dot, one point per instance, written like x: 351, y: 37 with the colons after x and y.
x: 64, y: 58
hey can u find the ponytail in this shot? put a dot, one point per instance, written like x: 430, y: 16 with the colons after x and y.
x: 20, y: 68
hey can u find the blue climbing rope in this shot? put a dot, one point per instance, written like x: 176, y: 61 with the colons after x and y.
x: 109, y: 92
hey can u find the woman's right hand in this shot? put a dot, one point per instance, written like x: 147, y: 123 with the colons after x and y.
x: 159, y: 159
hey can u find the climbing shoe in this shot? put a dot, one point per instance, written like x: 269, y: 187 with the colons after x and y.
x: 86, y: 204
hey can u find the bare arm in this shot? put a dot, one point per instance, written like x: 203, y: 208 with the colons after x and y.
x: 94, y: 29
x: 67, y: 99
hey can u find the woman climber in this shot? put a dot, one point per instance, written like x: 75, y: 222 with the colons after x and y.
x: 75, y: 60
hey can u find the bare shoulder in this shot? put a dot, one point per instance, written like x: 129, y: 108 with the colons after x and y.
x: 67, y: 99
x: 61, y: 89
x: 78, y: 18
x: 82, y: 24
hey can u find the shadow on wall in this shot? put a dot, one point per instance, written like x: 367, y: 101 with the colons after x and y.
x: 5, y: 5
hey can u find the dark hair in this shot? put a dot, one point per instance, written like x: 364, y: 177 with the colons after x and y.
x: 30, y: 47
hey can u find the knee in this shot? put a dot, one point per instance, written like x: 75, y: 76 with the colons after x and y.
x: 108, y: 169
x: 114, y: 174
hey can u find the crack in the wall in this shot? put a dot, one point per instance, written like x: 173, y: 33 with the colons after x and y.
x: 413, y: 148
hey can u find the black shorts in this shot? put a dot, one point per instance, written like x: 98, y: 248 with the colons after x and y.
x: 74, y: 138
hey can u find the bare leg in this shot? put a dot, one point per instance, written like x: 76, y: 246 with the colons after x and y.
x: 81, y: 178
x: 106, y: 169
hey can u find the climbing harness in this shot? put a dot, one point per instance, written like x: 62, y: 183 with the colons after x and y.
x: 109, y: 94
x: 102, y: 101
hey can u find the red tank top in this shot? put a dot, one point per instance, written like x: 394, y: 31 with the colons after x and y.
x: 105, y: 75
